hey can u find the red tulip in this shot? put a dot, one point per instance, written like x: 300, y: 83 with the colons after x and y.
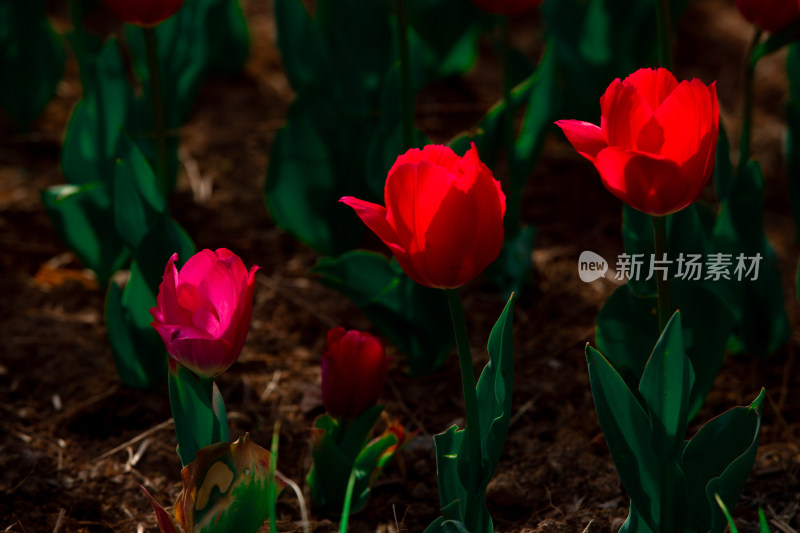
x: 506, y: 7
x: 203, y: 312
x: 354, y: 366
x: 144, y: 12
x: 655, y: 145
x: 443, y: 217
x: 770, y: 15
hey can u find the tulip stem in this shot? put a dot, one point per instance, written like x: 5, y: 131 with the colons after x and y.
x: 473, y: 427
x: 348, y: 498
x: 747, y: 106
x: 662, y: 281
x: 157, y: 98
x: 664, y: 35
x: 405, y: 75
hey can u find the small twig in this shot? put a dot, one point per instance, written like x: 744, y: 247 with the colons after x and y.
x: 200, y: 184
x: 522, y: 410
x: 62, y: 513
x: 402, y: 520
x: 136, y: 439
x: 586, y: 529
x: 783, y: 526
x: 271, y: 386
x: 300, y: 499
x: 88, y: 402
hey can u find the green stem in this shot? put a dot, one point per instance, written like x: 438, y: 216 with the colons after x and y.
x: 510, y: 186
x: 405, y: 75
x: 348, y: 498
x: 473, y: 427
x: 747, y: 106
x: 662, y: 282
x: 157, y: 97
x: 664, y: 35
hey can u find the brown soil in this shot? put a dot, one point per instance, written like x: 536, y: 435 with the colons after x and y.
x: 75, y: 443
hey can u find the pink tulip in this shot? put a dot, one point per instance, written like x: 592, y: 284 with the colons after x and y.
x: 203, y: 312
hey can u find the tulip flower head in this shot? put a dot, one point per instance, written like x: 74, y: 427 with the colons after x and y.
x: 144, y: 12
x: 656, y: 141
x: 506, y: 7
x: 203, y: 312
x: 443, y: 218
x: 770, y: 15
x: 354, y: 367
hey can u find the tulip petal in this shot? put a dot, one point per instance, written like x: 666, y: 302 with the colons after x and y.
x: 204, y: 357
x: 648, y: 183
x: 586, y: 138
x: 167, y: 308
x: 437, y: 154
x: 374, y: 216
x: 413, y: 192
x: 687, y: 117
x: 197, y: 267
x: 625, y: 113
x: 653, y: 85
x: 449, y: 239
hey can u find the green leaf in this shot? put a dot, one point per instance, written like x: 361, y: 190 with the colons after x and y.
x: 718, y: 460
x: 543, y: 102
x: 728, y: 516
x: 626, y: 427
x: 386, y: 141
x: 164, y: 238
x: 32, y: 56
x: 368, y: 466
x: 689, y: 231
x: 305, y: 180
x: 413, y: 317
x: 512, y: 268
x: 361, y: 41
x: 494, y: 389
x: 94, y: 129
x: 488, y: 134
x: 762, y: 522
x: 303, y: 49
x: 762, y: 325
x: 775, y: 42
x: 190, y: 398
x: 137, y: 199
x: 336, y: 449
x: 83, y: 218
x: 627, y: 328
x: 225, y: 487
x: 444, y: 50
x: 452, y: 494
x: 126, y: 357
x: 139, y: 353
x: 226, y: 29
x: 665, y: 387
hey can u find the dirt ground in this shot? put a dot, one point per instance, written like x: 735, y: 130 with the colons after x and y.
x: 75, y: 443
